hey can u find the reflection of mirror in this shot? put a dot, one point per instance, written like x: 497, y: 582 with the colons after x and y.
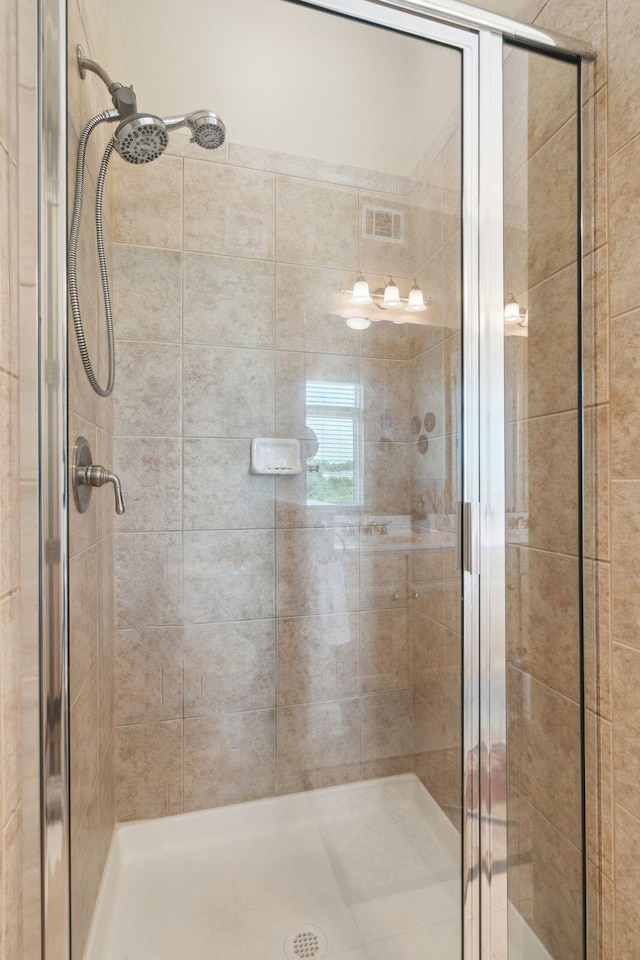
x: 333, y: 413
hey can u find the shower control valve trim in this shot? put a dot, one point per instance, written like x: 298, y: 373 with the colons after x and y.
x: 85, y: 475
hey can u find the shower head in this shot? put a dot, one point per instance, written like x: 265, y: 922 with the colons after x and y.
x: 207, y: 129
x: 141, y: 138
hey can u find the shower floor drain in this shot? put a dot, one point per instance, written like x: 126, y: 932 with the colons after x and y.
x: 305, y: 940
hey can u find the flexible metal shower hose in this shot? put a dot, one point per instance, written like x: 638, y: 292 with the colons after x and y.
x: 72, y: 255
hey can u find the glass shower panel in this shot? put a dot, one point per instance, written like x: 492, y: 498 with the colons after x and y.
x: 543, y: 530
x: 286, y: 649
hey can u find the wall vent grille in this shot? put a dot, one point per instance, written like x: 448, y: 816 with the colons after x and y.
x: 382, y: 223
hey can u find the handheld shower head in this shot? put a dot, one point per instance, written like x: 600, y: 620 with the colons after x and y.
x: 141, y: 138
x: 207, y: 129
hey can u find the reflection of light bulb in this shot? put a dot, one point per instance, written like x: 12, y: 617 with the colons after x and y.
x: 361, y: 295
x: 399, y: 321
x: 512, y: 310
x: 358, y: 323
x: 416, y: 299
x: 391, y: 298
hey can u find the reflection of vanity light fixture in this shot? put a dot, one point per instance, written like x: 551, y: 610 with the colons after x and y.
x: 391, y: 297
x: 361, y: 295
x: 513, y: 314
x: 358, y: 323
x: 387, y: 298
x: 416, y: 302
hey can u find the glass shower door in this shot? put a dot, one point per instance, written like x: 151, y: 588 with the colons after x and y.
x: 268, y: 666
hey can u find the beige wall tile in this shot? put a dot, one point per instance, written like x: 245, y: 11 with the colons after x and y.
x: 229, y: 758
x: 84, y: 605
x: 228, y: 301
x: 153, y: 562
x: 87, y: 869
x: 220, y: 492
x: 623, y: 40
x: 229, y: 666
x: 228, y: 210
x: 549, y: 593
x: 318, y: 658
x: 580, y: 18
x: 597, y: 474
x: 272, y: 161
x: 228, y: 575
x: 106, y: 646
x: 550, y: 776
x: 318, y: 744
x: 626, y: 727
x: 627, y: 883
x: 625, y: 565
x: 149, y: 770
x: 333, y: 211
x: 314, y: 573
x: 426, y: 219
x: 10, y: 718
x: 147, y: 401
x: 386, y: 480
x: 553, y: 483
x: 386, y: 400
x: 147, y: 206
x: 150, y: 470
x: 427, y: 388
x: 84, y: 749
x: 357, y: 177
x: 553, y: 319
x: 244, y: 392
x: 427, y: 661
x: 624, y: 234
x: 148, y: 674
x: 11, y: 867
x: 625, y: 401
x: 599, y: 780
x: 384, y: 650
x: 595, y: 347
x: 388, y: 726
x: 308, y: 301
x: 597, y: 637
x: 552, y: 205
x: 147, y: 295
x: 554, y: 910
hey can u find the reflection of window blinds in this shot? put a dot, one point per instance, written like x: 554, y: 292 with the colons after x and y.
x: 333, y: 411
x: 335, y: 439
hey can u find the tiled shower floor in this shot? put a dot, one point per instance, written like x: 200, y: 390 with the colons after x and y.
x: 373, y: 865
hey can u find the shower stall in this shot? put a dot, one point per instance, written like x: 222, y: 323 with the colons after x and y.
x: 313, y: 683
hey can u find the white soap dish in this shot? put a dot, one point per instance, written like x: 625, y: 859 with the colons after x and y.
x: 276, y: 455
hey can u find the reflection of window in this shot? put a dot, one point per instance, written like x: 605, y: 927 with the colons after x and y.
x: 333, y: 413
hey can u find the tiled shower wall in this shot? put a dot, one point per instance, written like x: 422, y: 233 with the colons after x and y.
x: 543, y: 509
x: 91, y: 635
x: 613, y: 473
x: 259, y: 650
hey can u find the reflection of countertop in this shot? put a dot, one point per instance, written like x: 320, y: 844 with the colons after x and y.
x: 397, y: 541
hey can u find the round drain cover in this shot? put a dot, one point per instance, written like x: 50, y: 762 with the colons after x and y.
x: 305, y: 940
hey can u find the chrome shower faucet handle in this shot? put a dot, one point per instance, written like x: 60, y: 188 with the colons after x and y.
x: 85, y: 475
